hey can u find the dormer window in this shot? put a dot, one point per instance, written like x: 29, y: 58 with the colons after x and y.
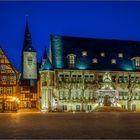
x: 136, y: 62
x: 120, y: 55
x: 102, y: 54
x: 113, y: 61
x: 71, y: 60
x: 94, y: 60
x: 84, y: 53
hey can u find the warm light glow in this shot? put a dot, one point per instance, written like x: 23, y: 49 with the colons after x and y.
x: 15, y: 99
x: 118, y: 105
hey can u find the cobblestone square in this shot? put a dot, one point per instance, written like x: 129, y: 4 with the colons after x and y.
x: 69, y: 125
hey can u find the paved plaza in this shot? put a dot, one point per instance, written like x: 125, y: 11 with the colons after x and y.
x: 69, y: 125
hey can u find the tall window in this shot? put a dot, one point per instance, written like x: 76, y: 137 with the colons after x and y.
x: 137, y: 61
x: 71, y: 60
x: 30, y: 61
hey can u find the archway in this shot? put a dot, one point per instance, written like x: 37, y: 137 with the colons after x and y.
x: 107, y: 97
x: 133, y: 107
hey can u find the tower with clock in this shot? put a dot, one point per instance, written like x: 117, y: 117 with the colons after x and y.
x: 28, y: 57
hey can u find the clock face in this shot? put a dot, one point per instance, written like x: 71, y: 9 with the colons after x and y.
x: 2, y: 67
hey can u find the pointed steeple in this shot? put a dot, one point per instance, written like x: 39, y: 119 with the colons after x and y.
x: 27, y: 26
x: 47, y: 65
x: 27, y: 44
x: 45, y: 54
x: 44, y: 58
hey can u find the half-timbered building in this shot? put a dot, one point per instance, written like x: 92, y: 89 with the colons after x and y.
x: 9, y: 79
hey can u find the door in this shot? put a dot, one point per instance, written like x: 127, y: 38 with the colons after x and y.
x: 107, y: 101
x: 77, y: 107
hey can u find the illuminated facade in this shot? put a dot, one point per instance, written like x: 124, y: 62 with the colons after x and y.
x: 82, y: 74
x: 9, y: 79
x: 28, y: 81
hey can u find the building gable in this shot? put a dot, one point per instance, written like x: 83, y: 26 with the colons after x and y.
x: 8, y: 74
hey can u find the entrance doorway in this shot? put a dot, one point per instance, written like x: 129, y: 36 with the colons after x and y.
x: 77, y: 107
x: 107, y: 101
x: 133, y: 107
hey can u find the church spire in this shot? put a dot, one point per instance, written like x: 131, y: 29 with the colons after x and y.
x: 28, y: 57
x: 27, y: 26
x: 27, y: 44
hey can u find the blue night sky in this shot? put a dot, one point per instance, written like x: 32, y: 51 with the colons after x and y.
x: 111, y: 20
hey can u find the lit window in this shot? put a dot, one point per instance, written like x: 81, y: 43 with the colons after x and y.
x: 71, y: 60
x: 4, y: 78
x: 9, y: 90
x: 120, y: 55
x: 84, y: 53
x: 113, y: 61
x: 137, y: 61
x: 94, y: 60
x: 11, y: 78
x: 102, y: 54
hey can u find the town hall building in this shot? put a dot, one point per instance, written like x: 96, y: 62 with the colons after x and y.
x: 82, y: 74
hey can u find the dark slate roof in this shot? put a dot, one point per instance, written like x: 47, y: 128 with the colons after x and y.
x: 61, y: 46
